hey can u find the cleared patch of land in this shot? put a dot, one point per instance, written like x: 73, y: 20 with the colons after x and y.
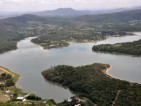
x: 4, y: 98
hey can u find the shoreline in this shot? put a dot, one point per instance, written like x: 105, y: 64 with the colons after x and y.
x: 15, y: 78
x: 6, y: 70
x: 106, y: 72
x: 69, y: 41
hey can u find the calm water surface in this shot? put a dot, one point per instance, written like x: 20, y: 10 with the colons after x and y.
x: 29, y: 60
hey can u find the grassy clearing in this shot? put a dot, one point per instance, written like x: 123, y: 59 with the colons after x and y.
x: 3, y: 98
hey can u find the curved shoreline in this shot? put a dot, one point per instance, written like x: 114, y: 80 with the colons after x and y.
x: 5, y: 70
x: 106, y: 72
x: 95, y: 80
x: 14, y: 75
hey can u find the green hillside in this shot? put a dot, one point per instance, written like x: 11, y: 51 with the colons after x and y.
x: 80, y: 29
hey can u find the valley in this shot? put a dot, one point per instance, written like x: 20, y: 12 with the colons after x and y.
x: 63, y: 45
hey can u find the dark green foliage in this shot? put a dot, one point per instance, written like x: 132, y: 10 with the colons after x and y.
x: 33, y: 97
x: 132, y: 48
x: 5, y: 76
x: 89, y: 81
x: 7, y: 80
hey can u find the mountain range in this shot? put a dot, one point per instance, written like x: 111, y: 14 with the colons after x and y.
x: 64, y: 12
x: 67, y: 12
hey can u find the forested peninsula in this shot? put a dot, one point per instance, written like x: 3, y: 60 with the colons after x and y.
x: 91, y: 83
x: 131, y: 48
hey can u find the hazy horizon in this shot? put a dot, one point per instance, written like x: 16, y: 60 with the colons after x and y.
x: 40, y: 5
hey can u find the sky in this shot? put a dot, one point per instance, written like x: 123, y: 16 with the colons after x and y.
x: 37, y: 5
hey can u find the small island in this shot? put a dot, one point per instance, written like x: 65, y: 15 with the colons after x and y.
x: 131, y: 48
x: 93, y: 86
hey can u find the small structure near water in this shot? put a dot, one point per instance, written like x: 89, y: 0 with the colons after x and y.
x: 20, y: 99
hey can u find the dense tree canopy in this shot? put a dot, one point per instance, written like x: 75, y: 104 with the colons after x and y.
x: 132, y: 48
x: 91, y: 82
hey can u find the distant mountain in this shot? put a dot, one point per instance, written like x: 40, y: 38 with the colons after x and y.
x: 25, y: 18
x: 19, y: 21
x: 134, y: 8
x: 65, y: 12
x: 123, y: 16
x: 117, y: 16
x: 5, y: 14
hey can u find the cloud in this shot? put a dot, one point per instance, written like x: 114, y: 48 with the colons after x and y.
x: 26, y: 5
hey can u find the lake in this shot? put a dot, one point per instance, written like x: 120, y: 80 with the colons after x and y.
x: 29, y: 60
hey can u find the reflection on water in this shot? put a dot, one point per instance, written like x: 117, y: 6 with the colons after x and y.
x: 29, y: 60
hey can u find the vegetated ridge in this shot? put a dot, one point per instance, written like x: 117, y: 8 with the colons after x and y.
x: 132, y: 48
x: 91, y: 82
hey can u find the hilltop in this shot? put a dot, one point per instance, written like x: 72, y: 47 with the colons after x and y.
x: 63, y: 12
